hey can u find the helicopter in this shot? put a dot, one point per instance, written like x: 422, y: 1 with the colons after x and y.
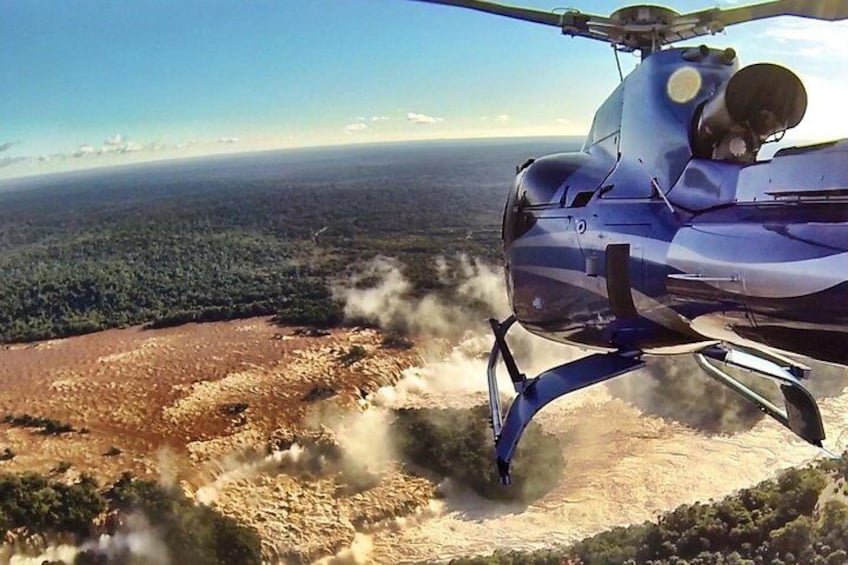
x: 666, y: 235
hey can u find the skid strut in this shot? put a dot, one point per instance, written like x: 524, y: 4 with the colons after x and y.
x: 536, y: 393
x: 801, y: 415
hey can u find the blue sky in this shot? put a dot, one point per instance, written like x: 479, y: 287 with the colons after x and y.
x: 150, y: 79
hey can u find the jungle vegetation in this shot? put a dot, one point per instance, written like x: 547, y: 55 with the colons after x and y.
x: 240, y: 236
x: 191, y: 534
x: 457, y: 444
x: 801, y: 517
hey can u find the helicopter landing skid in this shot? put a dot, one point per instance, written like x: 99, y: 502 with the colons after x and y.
x: 534, y: 394
x: 801, y: 415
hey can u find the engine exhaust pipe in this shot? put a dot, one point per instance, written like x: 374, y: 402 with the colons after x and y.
x: 757, y: 102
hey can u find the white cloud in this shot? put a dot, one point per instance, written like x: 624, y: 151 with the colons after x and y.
x: 359, y: 119
x: 422, y: 119
x: 809, y: 38
x: 85, y: 149
x: 563, y: 121
x: 825, y: 118
x: 819, y: 43
x: 503, y: 118
x: 380, y: 118
x: 112, y: 151
x: 350, y: 129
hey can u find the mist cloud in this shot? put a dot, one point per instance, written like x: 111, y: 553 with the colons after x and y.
x: 234, y: 469
x: 675, y: 389
x: 388, y: 301
x: 358, y: 553
x: 140, y: 541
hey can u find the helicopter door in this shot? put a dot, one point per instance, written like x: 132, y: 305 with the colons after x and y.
x: 618, y: 280
x: 613, y: 256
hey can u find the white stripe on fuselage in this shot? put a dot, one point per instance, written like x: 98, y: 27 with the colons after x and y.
x: 648, y: 307
x: 778, y: 279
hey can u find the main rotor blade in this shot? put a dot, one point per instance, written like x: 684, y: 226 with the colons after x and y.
x: 525, y: 14
x: 571, y: 22
x: 829, y: 10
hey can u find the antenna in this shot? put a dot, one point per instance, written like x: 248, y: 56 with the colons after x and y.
x: 618, y: 62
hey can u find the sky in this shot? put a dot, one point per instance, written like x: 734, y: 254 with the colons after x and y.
x: 92, y: 82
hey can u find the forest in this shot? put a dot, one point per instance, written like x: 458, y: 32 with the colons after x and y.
x: 240, y: 237
x: 799, y: 518
x: 190, y: 534
x: 458, y: 444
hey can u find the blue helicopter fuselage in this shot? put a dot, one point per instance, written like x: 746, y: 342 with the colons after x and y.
x: 642, y: 242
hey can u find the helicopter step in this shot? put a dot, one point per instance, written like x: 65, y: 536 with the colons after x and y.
x: 536, y: 393
x: 801, y: 415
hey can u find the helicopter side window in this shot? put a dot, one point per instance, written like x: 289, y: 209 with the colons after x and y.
x: 607, y: 121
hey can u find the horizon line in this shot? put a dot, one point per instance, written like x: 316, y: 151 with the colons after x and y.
x: 32, y: 175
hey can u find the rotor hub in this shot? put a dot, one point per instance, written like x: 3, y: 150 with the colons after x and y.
x: 638, y: 17
x: 648, y: 28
